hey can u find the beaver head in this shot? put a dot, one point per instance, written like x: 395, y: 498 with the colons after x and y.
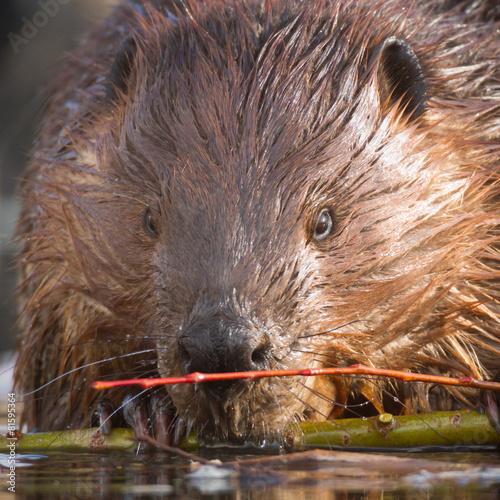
x: 275, y: 187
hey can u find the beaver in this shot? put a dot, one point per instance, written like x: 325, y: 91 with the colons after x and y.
x: 263, y: 184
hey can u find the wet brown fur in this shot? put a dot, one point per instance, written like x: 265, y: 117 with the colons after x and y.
x: 237, y: 123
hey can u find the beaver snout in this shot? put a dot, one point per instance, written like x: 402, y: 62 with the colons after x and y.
x: 218, y: 345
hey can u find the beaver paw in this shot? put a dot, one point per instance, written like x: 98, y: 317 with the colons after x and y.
x: 147, y: 416
x: 104, y: 415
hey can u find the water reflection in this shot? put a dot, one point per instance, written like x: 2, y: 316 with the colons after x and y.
x: 318, y: 475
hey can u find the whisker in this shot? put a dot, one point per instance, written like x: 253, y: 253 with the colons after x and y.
x: 334, y: 330
x: 107, y: 360
x: 110, y: 341
x: 316, y: 353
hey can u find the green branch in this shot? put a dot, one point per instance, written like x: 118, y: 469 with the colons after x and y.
x: 445, y: 428
x: 465, y: 427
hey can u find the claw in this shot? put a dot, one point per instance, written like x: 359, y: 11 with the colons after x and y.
x: 136, y: 416
x: 179, y: 432
x: 103, y: 415
x: 162, y: 416
x: 146, y: 415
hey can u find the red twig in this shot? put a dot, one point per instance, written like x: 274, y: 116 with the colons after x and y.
x: 195, y: 378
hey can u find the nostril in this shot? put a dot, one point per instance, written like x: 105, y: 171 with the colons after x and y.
x: 260, y: 356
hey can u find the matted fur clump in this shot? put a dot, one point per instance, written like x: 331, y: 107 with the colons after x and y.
x: 238, y: 184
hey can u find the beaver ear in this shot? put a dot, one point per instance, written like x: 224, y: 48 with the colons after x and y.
x: 400, y: 77
x: 121, y: 69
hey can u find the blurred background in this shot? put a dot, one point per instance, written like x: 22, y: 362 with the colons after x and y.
x: 34, y: 36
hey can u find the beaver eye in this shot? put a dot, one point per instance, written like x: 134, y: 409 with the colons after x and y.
x: 150, y: 224
x: 324, y: 225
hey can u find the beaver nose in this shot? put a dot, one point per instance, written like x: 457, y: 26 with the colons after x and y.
x: 218, y: 345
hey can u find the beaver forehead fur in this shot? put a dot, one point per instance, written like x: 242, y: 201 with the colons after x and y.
x: 264, y: 184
